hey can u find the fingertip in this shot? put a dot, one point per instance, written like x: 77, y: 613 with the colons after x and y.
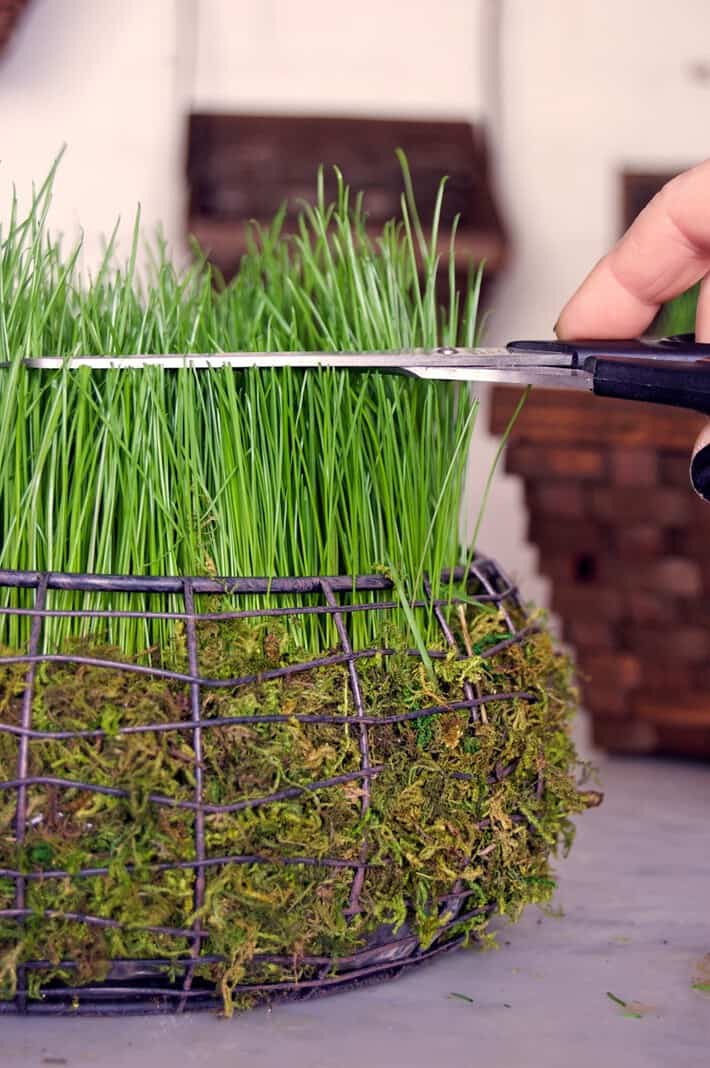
x: 563, y: 330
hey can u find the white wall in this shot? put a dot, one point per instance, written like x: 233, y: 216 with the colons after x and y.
x: 399, y: 57
x: 102, y: 76
x: 589, y: 87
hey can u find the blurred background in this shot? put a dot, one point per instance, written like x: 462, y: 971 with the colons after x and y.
x: 556, y: 122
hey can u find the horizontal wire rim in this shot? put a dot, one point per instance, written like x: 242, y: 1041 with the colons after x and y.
x: 243, y: 613
x: 184, y: 865
x: 270, y: 717
x: 217, y: 684
x: 288, y: 794
x: 85, y: 582
x: 96, y: 921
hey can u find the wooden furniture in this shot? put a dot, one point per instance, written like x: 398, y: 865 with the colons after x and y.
x: 243, y: 167
x: 10, y: 11
x: 626, y: 544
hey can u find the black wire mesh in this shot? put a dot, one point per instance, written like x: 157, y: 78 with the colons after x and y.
x: 169, y: 984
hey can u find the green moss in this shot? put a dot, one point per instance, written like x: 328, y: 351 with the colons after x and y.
x: 480, y: 807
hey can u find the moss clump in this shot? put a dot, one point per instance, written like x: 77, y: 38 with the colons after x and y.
x: 458, y: 815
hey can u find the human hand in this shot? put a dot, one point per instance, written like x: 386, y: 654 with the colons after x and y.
x: 665, y: 251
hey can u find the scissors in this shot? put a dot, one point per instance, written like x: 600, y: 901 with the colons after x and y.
x: 674, y: 371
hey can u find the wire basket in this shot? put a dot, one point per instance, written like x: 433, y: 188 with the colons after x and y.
x: 171, y: 983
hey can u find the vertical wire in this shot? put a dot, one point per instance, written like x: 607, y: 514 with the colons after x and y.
x: 23, y: 762
x: 359, y: 876
x: 199, y: 824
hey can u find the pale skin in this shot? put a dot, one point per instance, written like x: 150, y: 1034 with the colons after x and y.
x: 664, y: 252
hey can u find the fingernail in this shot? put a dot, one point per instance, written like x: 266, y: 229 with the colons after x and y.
x: 700, y: 473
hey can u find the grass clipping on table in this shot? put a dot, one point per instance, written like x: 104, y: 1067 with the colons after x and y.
x: 268, y: 473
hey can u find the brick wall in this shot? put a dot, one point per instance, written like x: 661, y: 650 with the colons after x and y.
x: 626, y: 545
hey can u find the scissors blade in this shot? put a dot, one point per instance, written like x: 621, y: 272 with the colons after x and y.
x: 443, y: 358
x: 492, y: 365
x: 448, y: 364
x: 545, y: 377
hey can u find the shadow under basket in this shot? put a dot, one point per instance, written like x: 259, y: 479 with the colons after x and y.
x: 62, y: 875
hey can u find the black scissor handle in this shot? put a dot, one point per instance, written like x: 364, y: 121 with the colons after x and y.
x: 678, y: 347
x: 674, y: 371
x: 677, y: 384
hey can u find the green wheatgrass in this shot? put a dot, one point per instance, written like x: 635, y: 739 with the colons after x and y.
x: 269, y: 473
x: 230, y: 473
